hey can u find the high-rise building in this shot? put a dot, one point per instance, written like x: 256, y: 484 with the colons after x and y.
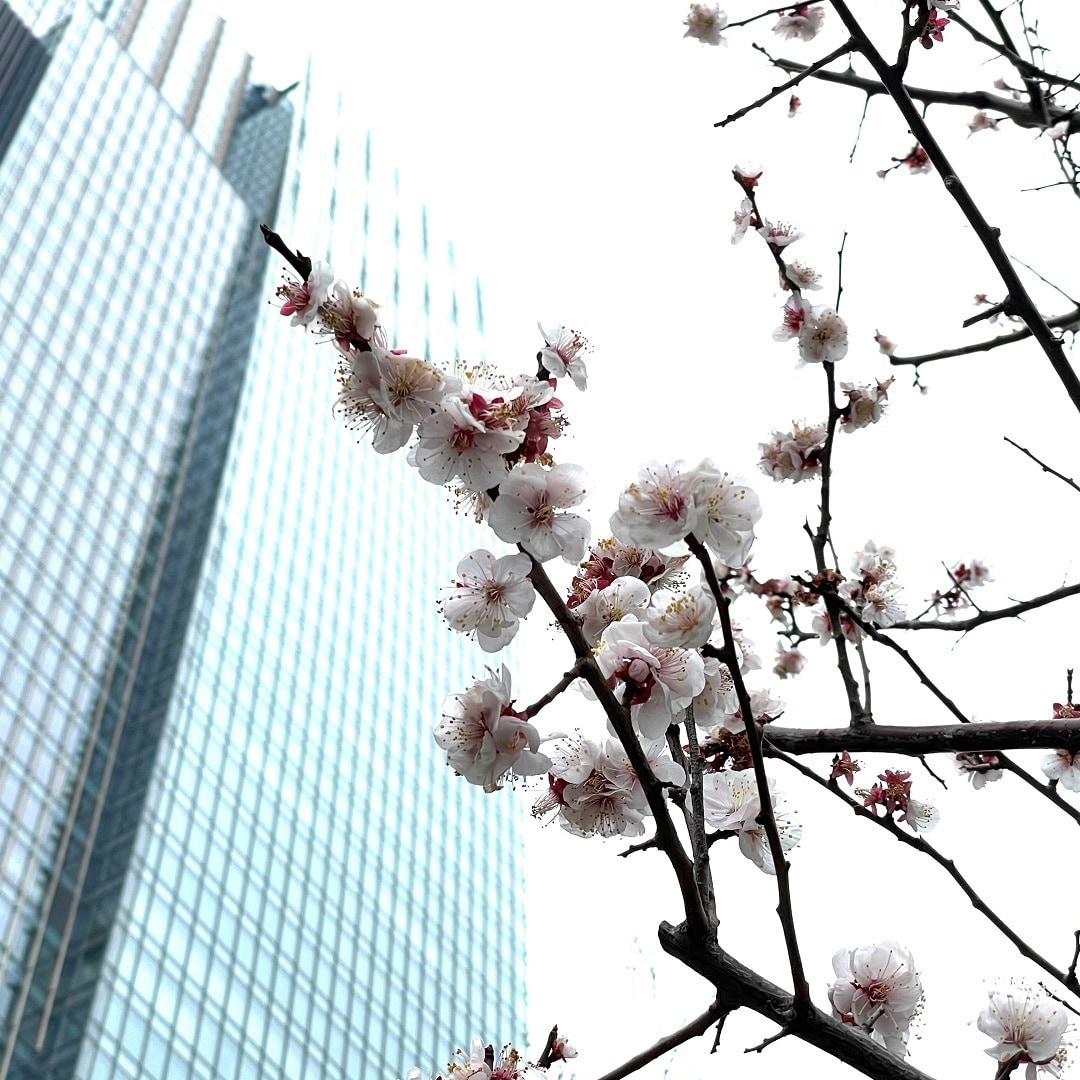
x: 228, y: 845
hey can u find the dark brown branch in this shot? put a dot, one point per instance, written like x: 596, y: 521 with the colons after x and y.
x: 1019, y: 114
x: 1042, y: 464
x: 776, y: 91
x: 734, y: 981
x: 714, y: 1014
x: 1024, y: 67
x: 785, y: 909
x: 667, y: 838
x: 299, y: 262
x: 914, y: 740
x: 1011, y: 612
x: 919, y: 844
x: 988, y: 236
x: 1068, y: 321
x: 569, y: 677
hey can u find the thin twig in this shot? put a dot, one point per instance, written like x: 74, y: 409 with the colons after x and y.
x: 1042, y: 464
x: 776, y: 91
x: 714, y: 1014
x: 919, y: 844
x: 1011, y: 612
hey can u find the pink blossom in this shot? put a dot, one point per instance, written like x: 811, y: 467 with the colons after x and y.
x: 794, y: 455
x: 789, y: 662
x: 935, y: 24
x: 744, y: 218
x: 778, y: 235
x: 793, y: 106
x: 796, y: 312
x: 302, y: 300
x: 981, y: 122
x: 748, y: 176
x: 884, y: 344
x: 866, y: 403
x: 917, y: 159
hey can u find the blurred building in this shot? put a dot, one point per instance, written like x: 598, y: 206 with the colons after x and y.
x: 228, y: 845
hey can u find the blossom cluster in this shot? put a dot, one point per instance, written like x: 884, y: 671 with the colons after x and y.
x: 871, y: 593
x: 733, y: 803
x: 893, y: 794
x: 482, y: 1063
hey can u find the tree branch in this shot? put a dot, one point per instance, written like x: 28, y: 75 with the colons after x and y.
x: 714, y: 1014
x: 1011, y: 612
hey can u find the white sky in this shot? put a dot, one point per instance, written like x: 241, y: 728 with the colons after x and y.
x: 569, y: 147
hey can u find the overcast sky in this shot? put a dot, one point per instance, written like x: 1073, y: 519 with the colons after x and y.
x: 571, y: 151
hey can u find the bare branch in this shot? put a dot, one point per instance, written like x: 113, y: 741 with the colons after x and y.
x: 915, y: 740
x: 714, y: 1014
x: 1042, y: 464
x: 776, y: 91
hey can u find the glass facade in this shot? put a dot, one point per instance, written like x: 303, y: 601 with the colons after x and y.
x: 229, y: 846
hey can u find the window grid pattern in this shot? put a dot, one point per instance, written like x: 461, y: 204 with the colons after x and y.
x: 316, y: 896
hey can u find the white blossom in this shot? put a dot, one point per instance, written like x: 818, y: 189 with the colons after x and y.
x: 623, y: 598
x: 527, y: 511
x: 878, y: 990
x: 681, y: 619
x: 732, y: 803
x: 803, y: 23
x: 489, y: 597
x: 704, y: 22
x: 1027, y: 1027
x: 1064, y: 768
x: 485, y: 739
x: 823, y: 337
x: 561, y: 354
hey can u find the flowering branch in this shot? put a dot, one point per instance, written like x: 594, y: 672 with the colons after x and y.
x: 667, y: 838
x: 736, y: 982
x: 919, y: 844
x: 1011, y: 612
x: 768, y: 818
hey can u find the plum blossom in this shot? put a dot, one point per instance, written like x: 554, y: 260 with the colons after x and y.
x: 302, y: 299
x: 844, y: 767
x: 659, y: 509
x: 981, y: 122
x: 481, y: 1063
x: 1063, y: 767
x: 877, y: 990
x: 623, y: 598
x: 729, y: 511
x: 794, y: 455
x: 793, y: 106
x: 822, y: 626
x: 661, y: 681
x: 789, y: 662
x: 744, y: 218
x: 980, y: 769
x: 894, y: 793
x: 454, y: 442
x: 389, y: 393
x: 1027, y: 1028
x: 562, y: 1049
x: 763, y: 707
x: 932, y: 31
x: 802, y: 22
x: 732, y: 803
x: 801, y: 275
x: 872, y: 593
x: 917, y: 160
x: 1060, y: 130
x: 747, y: 176
x: 682, y: 619
x: 884, y: 344
x: 348, y: 316
x: 610, y: 559
x: 489, y: 597
x: 561, y: 354
x: 485, y: 739
x: 704, y: 22
x: 778, y: 235
x: 823, y: 337
x: 527, y: 511
x: 670, y: 502
x: 588, y: 802
x: 866, y: 403
x: 796, y: 312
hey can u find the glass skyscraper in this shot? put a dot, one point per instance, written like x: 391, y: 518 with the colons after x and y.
x: 228, y: 845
